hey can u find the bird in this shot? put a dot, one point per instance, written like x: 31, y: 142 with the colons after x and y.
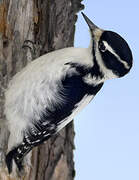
x: 46, y: 95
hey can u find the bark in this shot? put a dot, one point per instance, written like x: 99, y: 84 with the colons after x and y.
x: 51, y: 25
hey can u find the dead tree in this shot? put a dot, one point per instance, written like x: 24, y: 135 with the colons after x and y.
x: 50, y: 25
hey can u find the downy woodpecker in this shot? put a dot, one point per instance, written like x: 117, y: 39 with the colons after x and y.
x: 46, y: 95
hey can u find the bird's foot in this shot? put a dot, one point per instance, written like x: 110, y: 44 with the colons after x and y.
x: 34, y: 48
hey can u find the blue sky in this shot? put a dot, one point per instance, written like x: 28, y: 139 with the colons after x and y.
x: 107, y: 130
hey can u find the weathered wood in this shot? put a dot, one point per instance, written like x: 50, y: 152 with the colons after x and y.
x: 51, y: 25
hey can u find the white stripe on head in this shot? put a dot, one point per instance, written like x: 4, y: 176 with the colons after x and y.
x: 108, y: 73
x: 109, y: 48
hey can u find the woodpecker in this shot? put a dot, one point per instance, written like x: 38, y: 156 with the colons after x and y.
x: 46, y: 95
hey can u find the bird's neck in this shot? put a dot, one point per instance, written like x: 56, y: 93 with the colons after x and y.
x: 97, y: 73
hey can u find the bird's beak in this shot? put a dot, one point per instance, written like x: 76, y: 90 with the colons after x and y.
x: 91, y: 25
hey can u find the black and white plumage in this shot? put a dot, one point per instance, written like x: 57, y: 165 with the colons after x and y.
x: 47, y: 94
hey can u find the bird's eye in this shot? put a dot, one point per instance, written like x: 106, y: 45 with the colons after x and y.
x: 102, y: 47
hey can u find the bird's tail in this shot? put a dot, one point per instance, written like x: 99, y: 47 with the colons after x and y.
x: 16, y: 155
x: 10, y: 157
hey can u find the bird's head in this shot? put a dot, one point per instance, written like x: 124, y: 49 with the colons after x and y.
x: 111, y: 51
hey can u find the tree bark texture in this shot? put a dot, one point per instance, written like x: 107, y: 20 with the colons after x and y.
x: 51, y: 25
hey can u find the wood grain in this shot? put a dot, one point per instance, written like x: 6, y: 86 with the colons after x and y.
x: 51, y: 25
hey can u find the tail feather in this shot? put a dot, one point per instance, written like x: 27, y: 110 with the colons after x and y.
x: 18, y: 153
x: 9, y: 161
x: 10, y: 157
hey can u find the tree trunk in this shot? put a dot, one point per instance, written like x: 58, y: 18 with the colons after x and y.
x: 51, y: 25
